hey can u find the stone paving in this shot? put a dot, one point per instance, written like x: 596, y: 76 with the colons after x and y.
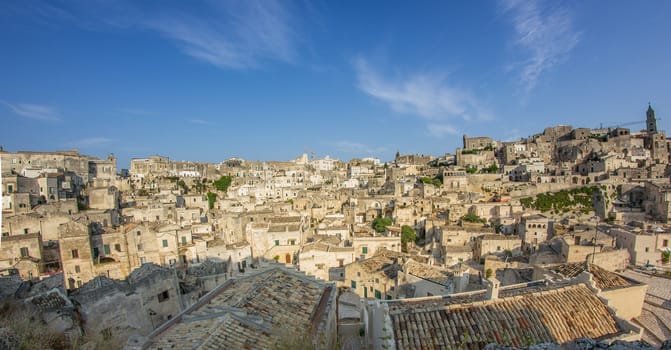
x: 657, y: 286
x: 656, y: 314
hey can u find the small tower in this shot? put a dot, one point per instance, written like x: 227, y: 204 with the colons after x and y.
x: 650, y: 119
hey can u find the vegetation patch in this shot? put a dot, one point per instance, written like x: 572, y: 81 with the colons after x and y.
x: 470, y: 217
x: 380, y: 224
x: 211, y: 198
x: 223, y: 183
x: 433, y: 181
x: 408, y: 234
x: 562, y: 201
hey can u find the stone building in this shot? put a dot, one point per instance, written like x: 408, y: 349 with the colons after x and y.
x: 22, y: 254
x: 76, y: 254
x: 497, y: 244
x: 374, y: 277
x: 115, y: 310
x: 534, y: 229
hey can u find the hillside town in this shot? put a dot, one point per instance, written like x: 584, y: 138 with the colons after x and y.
x: 552, y: 238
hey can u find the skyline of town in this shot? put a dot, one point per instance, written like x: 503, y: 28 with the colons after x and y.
x: 537, y: 236
x: 201, y: 82
x: 124, y: 163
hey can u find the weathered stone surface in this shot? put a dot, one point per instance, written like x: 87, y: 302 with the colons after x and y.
x: 586, y: 344
x: 8, y: 340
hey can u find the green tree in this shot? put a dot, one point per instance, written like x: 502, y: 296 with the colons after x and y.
x: 433, y: 181
x: 492, y: 169
x: 211, y: 198
x: 223, y: 183
x: 183, y: 185
x: 408, y: 234
x: 470, y: 217
x: 380, y: 224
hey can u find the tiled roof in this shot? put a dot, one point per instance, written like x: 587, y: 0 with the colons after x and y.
x: 553, y: 315
x: 499, y: 237
x: 284, y: 228
x: 430, y: 273
x: 52, y: 300
x: 604, y: 279
x: 384, y: 260
x: 249, y: 313
x: 285, y: 219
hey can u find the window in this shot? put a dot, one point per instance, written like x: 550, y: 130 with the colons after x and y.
x: 96, y: 252
x: 165, y: 243
x: 353, y: 284
x: 24, y: 252
x: 139, y: 247
x: 341, y: 262
x: 106, y: 333
x: 25, y: 231
x: 183, y: 239
x: 79, y: 283
x: 665, y: 243
x: 277, y: 242
x: 163, y: 296
x: 364, y: 250
x: 77, y: 269
x: 647, y: 249
x: 10, y: 188
x: 292, y: 242
x: 117, y: 247
x: 139, y: 233
x: 378, y: 294
x: 75, y: 253
x: 106, y: 248
x: 498, y: 248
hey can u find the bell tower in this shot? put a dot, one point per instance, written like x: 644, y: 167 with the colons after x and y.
x: 651, y: 121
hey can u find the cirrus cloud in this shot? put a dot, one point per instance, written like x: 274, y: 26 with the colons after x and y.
x: 430, y: 97
x: 544, y: 33
x: 33, y: 111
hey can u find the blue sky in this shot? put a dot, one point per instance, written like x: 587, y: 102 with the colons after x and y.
x: 270, y: 80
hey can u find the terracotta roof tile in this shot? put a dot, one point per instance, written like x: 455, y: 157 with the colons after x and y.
x: 550, y: 315
x: 604, y: 279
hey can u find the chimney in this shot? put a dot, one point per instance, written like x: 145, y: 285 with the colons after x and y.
x: 493, y: 289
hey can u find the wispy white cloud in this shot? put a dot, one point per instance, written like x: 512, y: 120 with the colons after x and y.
x: 33, y: 111
x: 546, y: 35
x: 429, y: 96
x: 228, y: 34
x: 232, y: 35
x: 135, y: 111
x: 91, y: 142
x: 200, y: 121
x: 440, y: 130
x: 357, y: 148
